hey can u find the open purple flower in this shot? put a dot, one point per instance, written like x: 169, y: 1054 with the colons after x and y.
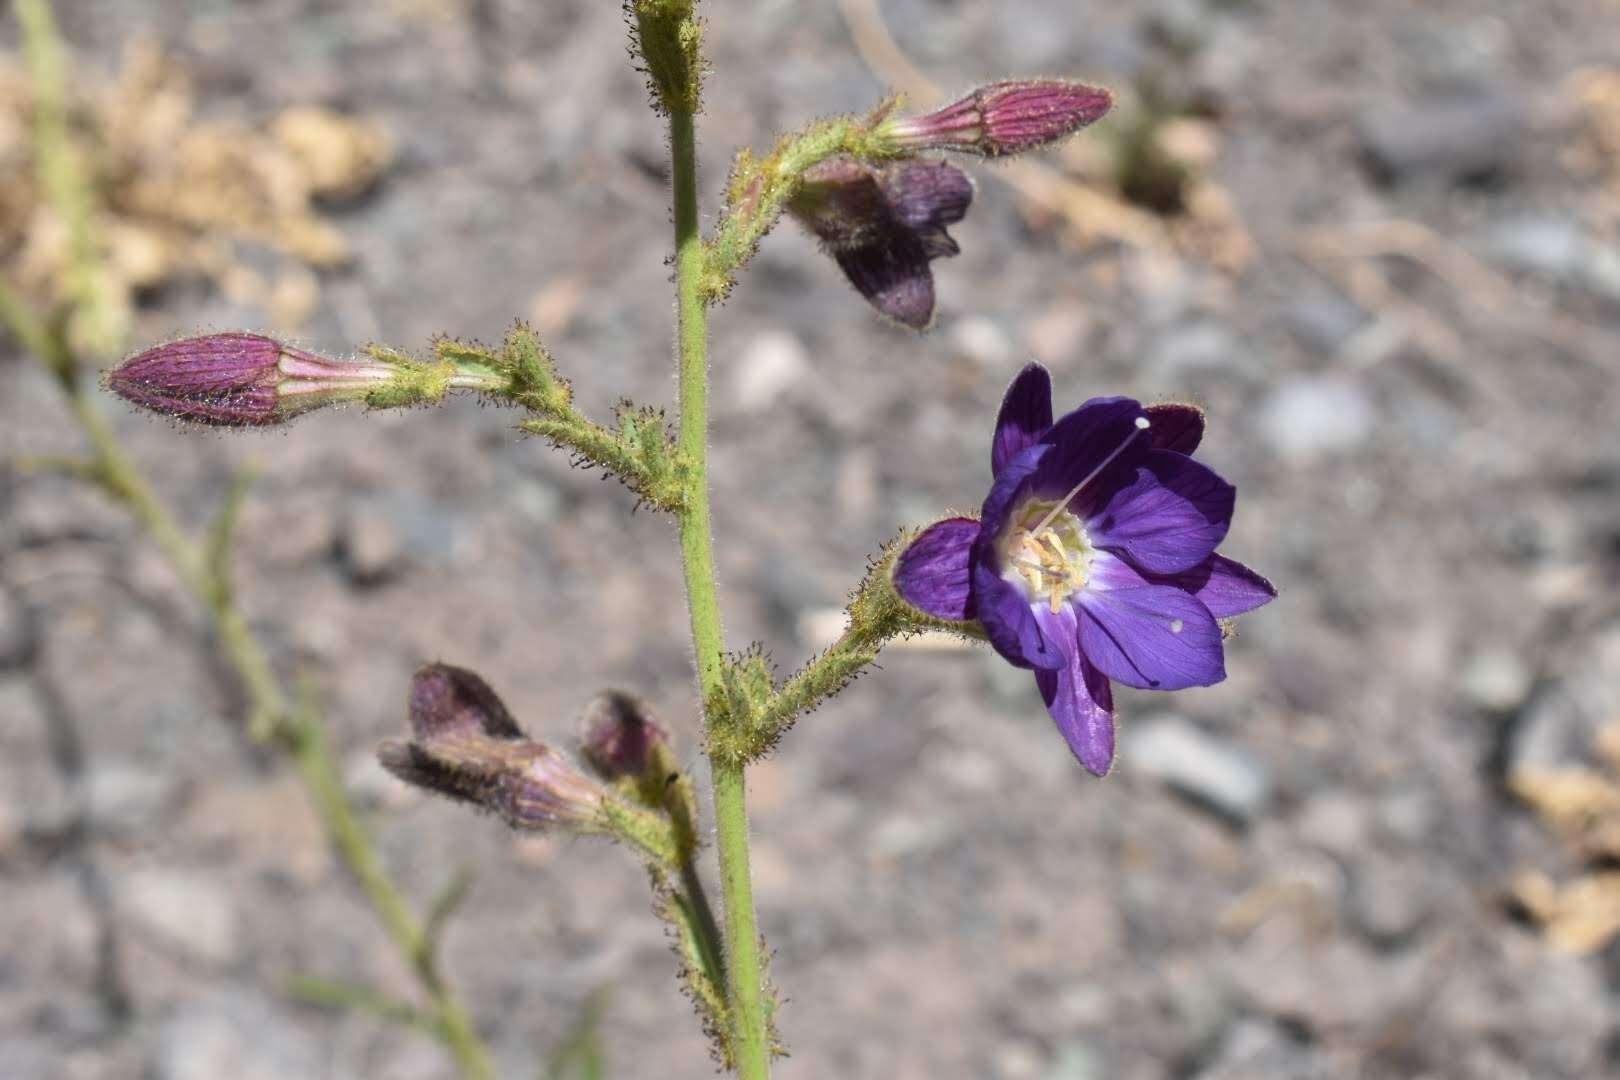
x: 1093, y: 558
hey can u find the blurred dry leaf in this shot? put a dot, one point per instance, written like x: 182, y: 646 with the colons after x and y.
x: 1595, y: 94
x: 180, y: 196
x: 1583, y: 804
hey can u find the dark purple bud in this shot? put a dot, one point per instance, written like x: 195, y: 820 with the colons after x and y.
x: 1002, y: 118
x: 617, y: 735
x: 448, y: 700
x: 240, y: 380
x: 884, y: 226
x: 466, y: 745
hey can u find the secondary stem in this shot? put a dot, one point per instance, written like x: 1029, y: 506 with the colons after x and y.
x: 750, y: 1041
x: 299, y: 734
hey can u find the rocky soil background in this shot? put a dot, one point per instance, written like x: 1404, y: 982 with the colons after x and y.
x: 1394, y: 281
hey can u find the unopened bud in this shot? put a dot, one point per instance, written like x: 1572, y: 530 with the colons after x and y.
x: 466, y: 745
x: 617, y: 735
x: 248, y: 380
x: 884, y: 226
x: 1002, y: 118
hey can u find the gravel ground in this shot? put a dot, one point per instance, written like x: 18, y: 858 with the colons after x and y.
x: 1298, y: 873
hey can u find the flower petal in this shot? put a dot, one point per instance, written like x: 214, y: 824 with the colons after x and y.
x: 1176, y: 426
x: 1101, y: 432
x: 1170, y: 518
x: 1151, y: 636
x: 1026, y: 413
x: 894, y: 277
x: 1225, y: 586
x: 1010, y: 488
x: 932, y: 573
x: 1078, y: 695
x: 1008, y: 620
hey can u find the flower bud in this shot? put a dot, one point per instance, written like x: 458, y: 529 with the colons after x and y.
x: 1002, y: 118
x: 617, y: 735
x: 884, y: 226
x: 240, y: 380
x: 249, y: 380
x: 466, y: 745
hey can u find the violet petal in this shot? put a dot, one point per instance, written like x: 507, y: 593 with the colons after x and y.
x: 1078, y: 695
x: 1225, y: 586
x: 1103, y: 430
x: 1169, y: 518
x: 1153, y: 637
x: 933, y: 572
x: 1004, y: 612
x: 1026, y: 414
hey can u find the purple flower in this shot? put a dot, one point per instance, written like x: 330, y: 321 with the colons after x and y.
x: 1093, y: 558
x: 240, y: 380
x: 1002, y: 118
x: 884, y: 226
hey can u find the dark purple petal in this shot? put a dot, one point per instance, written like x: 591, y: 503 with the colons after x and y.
x: 1225, y: 586
x: 1102, y: 431
x: 1154, y: 637
x: 1169, y: 518
x: 926, y: 196
x: 933, y: 574
x: 1026, y: 413
x: 1004, y: 612
x: 1009, y: 489
x: 448, y: 701
x: 1176, y: 426
x: 618, y: 735
x: 894, y: 277
x: 1078, y: 695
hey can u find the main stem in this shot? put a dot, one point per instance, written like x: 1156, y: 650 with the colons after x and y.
x: 745, y: 998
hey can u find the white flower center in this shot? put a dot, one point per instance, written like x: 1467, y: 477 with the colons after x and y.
x: 1048, y: 553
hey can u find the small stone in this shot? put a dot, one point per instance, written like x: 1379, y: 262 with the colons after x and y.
x: 1191, y: 348
x: 236, y: 1034
x: 1496, y: 680
x: 770, y: 365
x: 1307, y: 416
x: 188, y: 910
x: 129, y: 799
x: 1459, y: 138
x: 1324, y: 321
x: 1387, y: 900
x: 18, y: 635
x: 1198, y: 765
x: 1552, y: 247
x: 371, y: 785
x: 1335, y: 822
x: 982, y: 341
x: 371, y: 547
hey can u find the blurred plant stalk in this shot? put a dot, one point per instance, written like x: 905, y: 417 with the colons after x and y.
x: 292, y: 725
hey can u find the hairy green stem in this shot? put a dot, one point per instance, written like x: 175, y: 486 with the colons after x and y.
x: 750, y: 1039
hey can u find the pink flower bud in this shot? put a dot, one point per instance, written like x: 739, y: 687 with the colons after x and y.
x: 617, y: 735
x: 1002, y: 118
x: 240, y: 380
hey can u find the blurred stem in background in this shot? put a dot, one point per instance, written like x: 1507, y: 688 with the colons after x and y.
x: 294, y: 727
